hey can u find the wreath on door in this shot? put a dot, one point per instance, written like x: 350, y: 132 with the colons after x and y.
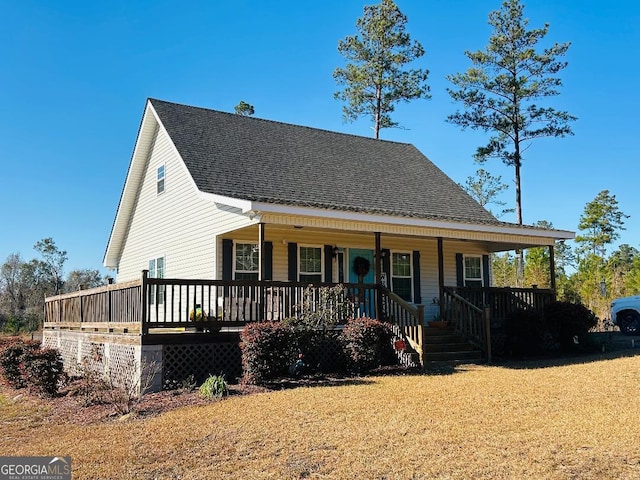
x: 361, y: 266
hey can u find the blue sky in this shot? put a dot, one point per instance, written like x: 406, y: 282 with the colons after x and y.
x: 76, y: 75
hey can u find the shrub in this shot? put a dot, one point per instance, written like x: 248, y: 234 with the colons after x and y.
x: 321, y: 350
x: 566, y: 320
x: 8, y: 341
x: 366, y: 343
x: 524, y: 331
x: 267, y: 351
x: 43, y: 369
x: 322, y: 308
x: 88, y: 383
x: 185, y: 384
x: 12, y: 351
x: 214, y: 387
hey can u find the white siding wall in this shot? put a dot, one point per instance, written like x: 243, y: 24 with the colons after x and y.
x: 428, y: 254
x: 178, y: 224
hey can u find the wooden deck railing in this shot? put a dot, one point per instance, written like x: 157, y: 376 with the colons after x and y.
x: 112, y: 307
x: 153, y: 303
x: 503, y: 301
x: 468, y: 320
x: 210, y: 304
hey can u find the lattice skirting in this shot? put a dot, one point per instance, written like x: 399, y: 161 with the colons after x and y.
x: 179, y: 362
x: 117, y: 357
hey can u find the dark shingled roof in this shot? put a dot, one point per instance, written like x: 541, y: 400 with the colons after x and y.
x: 266, y: 161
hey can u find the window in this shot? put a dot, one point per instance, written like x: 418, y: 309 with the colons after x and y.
x: 247, y: 261
x: 472, y: 271
x: 401, y: 279
x: 310, y: 264
x: 160, y: 179
x: 156, y: 270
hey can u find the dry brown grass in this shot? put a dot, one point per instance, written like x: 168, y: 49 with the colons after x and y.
x: 563, y: 422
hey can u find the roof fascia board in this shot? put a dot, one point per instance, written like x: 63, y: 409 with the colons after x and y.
x: 139, y: 159
x: 131, y: 186
x: 244, y: 205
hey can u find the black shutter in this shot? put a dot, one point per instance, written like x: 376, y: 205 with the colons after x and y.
x: 293, y: 262
x: 417, y: 297
x: 227, y: 259
x: 459, y: 270
x: 485, y: 271
x: 386, y: 265
x: 268, y: 261
x: 328, y: 263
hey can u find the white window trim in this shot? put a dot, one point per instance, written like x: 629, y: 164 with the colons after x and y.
x: 300, y: 272
x: 235, y: 244
x: 392, y: 276
x: 163, y: 178
x: 155, y: 273
x: 464, y: 270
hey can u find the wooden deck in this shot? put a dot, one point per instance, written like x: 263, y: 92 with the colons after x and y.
x: 172, y: 307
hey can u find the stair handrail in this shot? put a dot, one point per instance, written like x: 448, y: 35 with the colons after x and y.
x: 468, y: 320
x: 409, y: 318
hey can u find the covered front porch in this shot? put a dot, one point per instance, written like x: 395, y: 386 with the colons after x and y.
x: 160, y: 310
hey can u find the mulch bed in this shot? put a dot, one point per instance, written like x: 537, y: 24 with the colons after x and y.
x: 68, y: 408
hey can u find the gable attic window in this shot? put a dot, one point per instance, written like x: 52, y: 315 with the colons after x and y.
x: 310, y: 264
x: 473, y: 271
x: 156, y: 270
x: 160, y: 179
x: 246, y: 261
x: 401, y: 278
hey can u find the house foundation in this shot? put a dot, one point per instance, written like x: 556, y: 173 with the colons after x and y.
x: 147, y: 364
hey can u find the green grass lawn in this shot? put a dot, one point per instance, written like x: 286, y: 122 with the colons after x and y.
x: 526, y: 421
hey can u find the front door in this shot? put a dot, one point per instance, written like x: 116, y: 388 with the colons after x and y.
x: 361, y: 261
x: 354, y: 253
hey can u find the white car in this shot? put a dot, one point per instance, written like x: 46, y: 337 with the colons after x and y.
x: 625, y: 312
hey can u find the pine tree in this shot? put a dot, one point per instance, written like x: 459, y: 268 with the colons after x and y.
x: 501, y: 90
x: 374, y: 78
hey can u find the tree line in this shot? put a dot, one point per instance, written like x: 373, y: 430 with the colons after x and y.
x: 24, y: 284
x: 585, y: 271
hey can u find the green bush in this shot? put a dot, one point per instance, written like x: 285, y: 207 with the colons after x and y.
x: 214, y: 387
x: 524, y: 331
x: 569, y: 322
x: 268, y: 349
x: 366, y: 343
x: 43, y: 369
x: 16, y: 324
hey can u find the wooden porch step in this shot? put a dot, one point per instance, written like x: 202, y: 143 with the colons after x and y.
x: 437, y: 332
x: 444, y: 346
x: 469, y: 356
x: 460, y: 346
x: 443, y: 339
x: 437, y: 365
